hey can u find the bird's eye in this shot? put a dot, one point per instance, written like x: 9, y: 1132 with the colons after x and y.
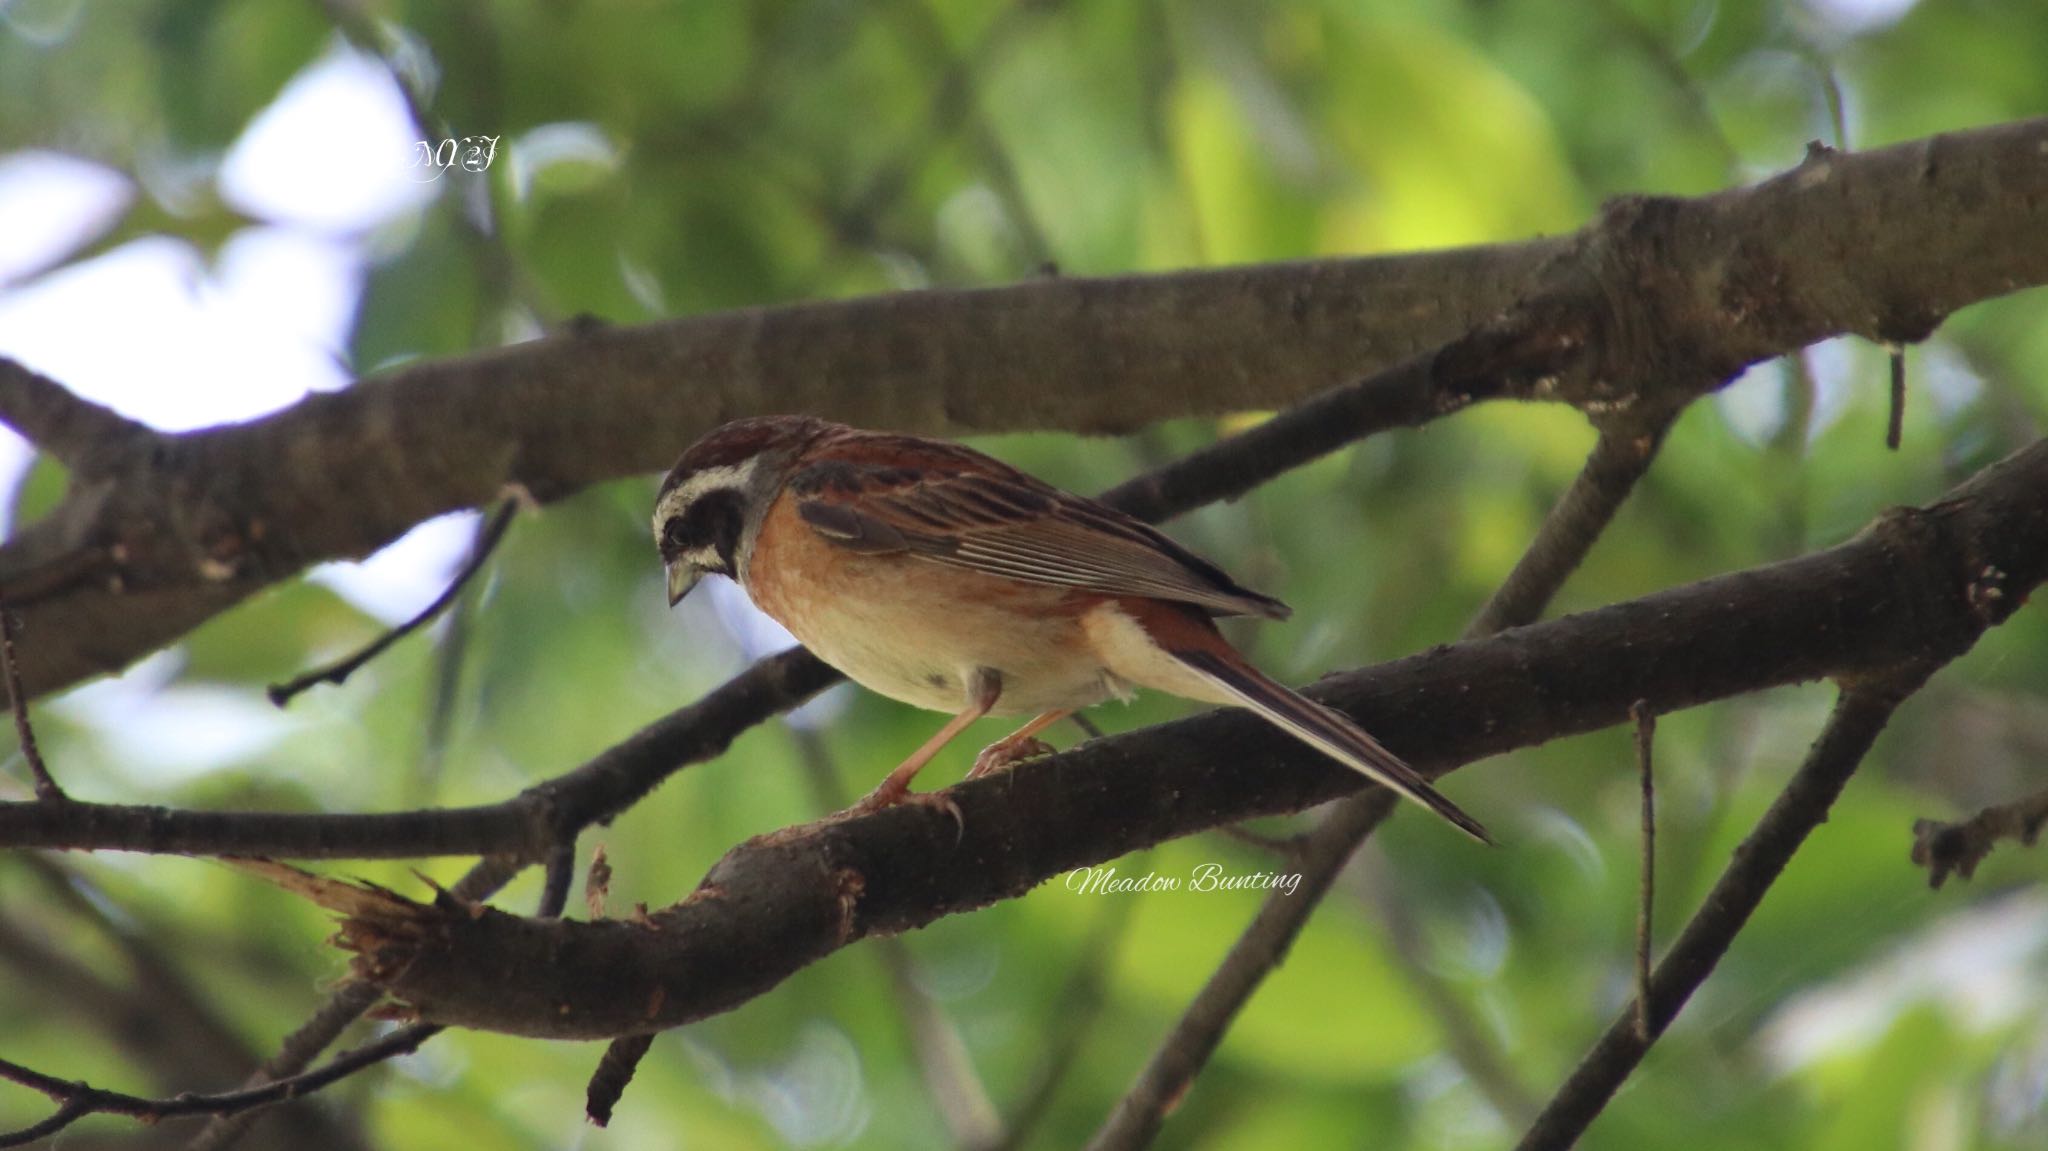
x: 672, y: 535
x: 714, y: 518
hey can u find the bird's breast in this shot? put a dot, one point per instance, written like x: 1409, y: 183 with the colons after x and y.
x: 916, y: 630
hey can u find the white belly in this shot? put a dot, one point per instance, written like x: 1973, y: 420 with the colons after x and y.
x: 889, y: 641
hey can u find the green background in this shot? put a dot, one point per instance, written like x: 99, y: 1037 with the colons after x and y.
x: 769, y: 152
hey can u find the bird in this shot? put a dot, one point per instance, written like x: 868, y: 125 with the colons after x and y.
x: 937, y: 575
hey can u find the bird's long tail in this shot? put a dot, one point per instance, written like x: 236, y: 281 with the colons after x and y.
x: 1325, y: 729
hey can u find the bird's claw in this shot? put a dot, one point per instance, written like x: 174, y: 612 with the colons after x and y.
x: 1004, y: 755
x: 889, y: 795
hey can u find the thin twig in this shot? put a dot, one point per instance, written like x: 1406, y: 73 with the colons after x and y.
x: 956, y: 102
x: 177, y: 1042
x: 561, y: 870
x: 444, y: 688
x: 1186, y: 1050
x: 622, y: 1056
x: 1466, y: 1037
x: 615, y: 1069
x: 1619, y: 458
x: 1617, y: 461
x: 336, y: 1014
x: 621, y: 1059
x: 47, y: 790
x: 1859, y: 715
x: 1667, y: 64
x: 1077, y: 1009
x: 1895, y: 428
x: 1646, y: 893
x: 339, y: 671
x: 71, y: 1112
x: 1957, y: 848
x: 1406, y: 394
x: 166, y: 1023
x: 527, y: 826
x: 78, y: 1099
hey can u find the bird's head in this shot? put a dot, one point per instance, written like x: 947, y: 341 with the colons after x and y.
x: 712, y: 501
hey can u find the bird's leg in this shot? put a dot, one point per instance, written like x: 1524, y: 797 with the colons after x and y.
x: 986, y: 687
x: 1019, y: 745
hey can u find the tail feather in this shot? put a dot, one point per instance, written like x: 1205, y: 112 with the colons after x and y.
x: 1326, y: 730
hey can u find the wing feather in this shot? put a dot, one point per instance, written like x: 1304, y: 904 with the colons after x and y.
x: 965, y: 509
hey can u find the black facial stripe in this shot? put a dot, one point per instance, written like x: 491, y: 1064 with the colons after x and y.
x: 714, y: 520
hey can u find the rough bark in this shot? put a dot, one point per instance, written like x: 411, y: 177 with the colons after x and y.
x: 160, y: 532
x: 1915, y: 589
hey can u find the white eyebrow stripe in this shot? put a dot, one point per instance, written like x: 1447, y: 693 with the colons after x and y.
x: 679, y: 499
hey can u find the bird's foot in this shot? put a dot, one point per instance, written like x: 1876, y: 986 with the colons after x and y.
x: 890, y: 793
x: 1004, y: 754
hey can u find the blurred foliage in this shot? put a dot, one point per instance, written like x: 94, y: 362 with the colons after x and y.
x: 665, y: 159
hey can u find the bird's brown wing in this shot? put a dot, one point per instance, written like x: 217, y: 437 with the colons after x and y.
x: 953, y: 505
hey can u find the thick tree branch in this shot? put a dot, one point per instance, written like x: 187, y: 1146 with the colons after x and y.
x: 1913, y: 588
x: 162, y: 531
x: 1864, y: 708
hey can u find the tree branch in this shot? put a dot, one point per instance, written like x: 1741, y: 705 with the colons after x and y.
x: 338, y: 672
x: 527, y: 826
x: 1646, y: 880
x: 77, y: 1100
x: 1864, y: 708
x: 1619, y: 458
x: 160, y: 532
x: 1911, y: 588
x: 342, y: 1008
x: 532, y: 821
x: 1186, y: 1050
x: 71, y: 428
x: 957, y: 1092
x: 1467, y: 1035
x: 47, y: 791
x: 1079, y: 1007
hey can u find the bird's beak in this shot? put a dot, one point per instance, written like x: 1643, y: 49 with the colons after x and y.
x: 682, y: 576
